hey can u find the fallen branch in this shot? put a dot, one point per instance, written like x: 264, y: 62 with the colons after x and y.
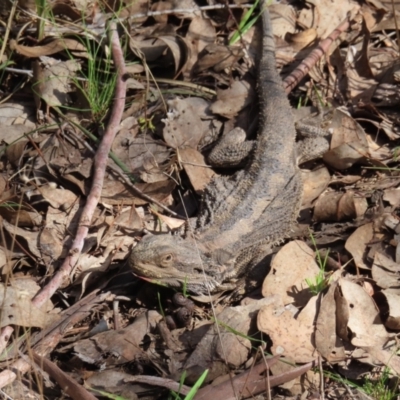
x: 67, y: 384
x: 291, y: 81
x: 100, y: 163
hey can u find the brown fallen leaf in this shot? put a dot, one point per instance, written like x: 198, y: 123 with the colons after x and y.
x: 328, y: 344
x: 16, y: 150
x: 336, y: 206
x: 385, y: 272
x: 250, y: 384
x: 301, y: 384
x: 17, y: 307
x: 227, y: 344
x: 120, y: 383
x: 301, y: 39
x: 230, y: 101
x: 217, y: 57
x: 58, y: 198
x: 389, y: 304
x: 326, y: 15
x: 51, y: 247
x: 52, y: 81
x: 392, y: 196
x: 172, y: 223
x: 145, y: 156
x: 358, y: 318
x: 24, y: 235
x: 21, y: 218
x: 117, y: 347
x: 188, y: 122
x: 297, y: 257
x: 48, y: 48
x: 357, y: 244
x: 291, y: 337
x: 11, y: 133
x: 201, y: 32
x: 167, y: 52
x: 117, y: 193
x: 284, y: 19
x: 196, y: 168
x: 314, y: 183
x: 349, y: 143
x: 386, y: 357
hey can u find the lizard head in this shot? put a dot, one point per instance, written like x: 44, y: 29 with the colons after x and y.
x: 171, y: 261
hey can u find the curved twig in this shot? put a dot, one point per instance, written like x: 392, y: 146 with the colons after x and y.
x: 100, y: 163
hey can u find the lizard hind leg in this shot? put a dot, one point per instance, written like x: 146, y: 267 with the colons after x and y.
x: 310, y: 149
x: 315, y: 135
x: 232, y: 150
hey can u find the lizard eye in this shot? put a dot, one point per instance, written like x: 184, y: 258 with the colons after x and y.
x: 166, y: 260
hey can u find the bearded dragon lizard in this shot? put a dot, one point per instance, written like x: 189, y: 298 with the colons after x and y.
x: 241, y: 213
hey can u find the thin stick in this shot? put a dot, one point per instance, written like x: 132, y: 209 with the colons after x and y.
x: 291, y: 81
x: 100, y: 162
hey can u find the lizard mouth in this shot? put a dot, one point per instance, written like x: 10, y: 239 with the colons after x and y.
x: 151, y: 280
x: 158, y: 276
x: 175, y: 279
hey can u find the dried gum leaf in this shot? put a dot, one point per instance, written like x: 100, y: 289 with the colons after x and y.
x: 364, y: 323
x: 196, y: 168
x: 289, y: 336
x: 297, y: 257
x: 334, y: 206
x: 17, y: 307
x: 328, y: 344
x: 55, y: 46
x: 385, y: 271
x: 357, y: 243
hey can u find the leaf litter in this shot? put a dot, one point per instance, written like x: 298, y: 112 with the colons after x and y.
x: 185, y: 88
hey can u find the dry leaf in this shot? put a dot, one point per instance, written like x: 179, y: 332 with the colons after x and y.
x: 324, y: 16
x: 116, y: 193
x: 297, y: 258
x: 217, y: 57
x: 362, y: 324
x: 52, y: 82
x: 230, y: 101
x: 229, y: 341
x: 314, y: 183
x: 187, y: 122
x: 201, y: 33
x: 49, y: 48
x: 389, y: 304
x: 349, y: 143
x: 357, y: 244
x: 58, y: 198
x: 196, y: 168
x: 328, y: 344
x: 289, y: 336
x: 385, y: 271
x: 24, y: 236
x: 17, y: 307
x: 172, y: 223
x: 51, y: 247
x: 167, y: 52
x: 392, y: 196
x: 336, y: 206
x: 110, y: 348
